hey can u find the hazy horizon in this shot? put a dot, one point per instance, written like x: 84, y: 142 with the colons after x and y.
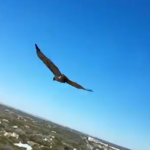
x: 102, y: 45
x: 59, y: 124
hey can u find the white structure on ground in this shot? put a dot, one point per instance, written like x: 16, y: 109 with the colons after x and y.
x: 28, y: 147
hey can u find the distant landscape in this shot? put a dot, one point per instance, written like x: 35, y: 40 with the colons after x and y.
x: 24, y: 131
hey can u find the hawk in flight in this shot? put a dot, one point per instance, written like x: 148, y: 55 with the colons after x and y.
x: 58, y: 76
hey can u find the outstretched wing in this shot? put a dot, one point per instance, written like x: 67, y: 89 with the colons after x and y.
x: 47, y: 62
x: 76, y: 85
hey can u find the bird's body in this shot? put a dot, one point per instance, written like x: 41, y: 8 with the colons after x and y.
x: 58, y: 76
x: 61, y: 78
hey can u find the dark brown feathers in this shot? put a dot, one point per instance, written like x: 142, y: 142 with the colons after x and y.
x: 56, y: 71
x: 76, y: 85
x: 47, y: 62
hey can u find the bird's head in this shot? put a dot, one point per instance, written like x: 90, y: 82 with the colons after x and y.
x: 54, y: 79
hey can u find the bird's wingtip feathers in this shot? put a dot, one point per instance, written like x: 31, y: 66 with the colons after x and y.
x: 36, y: 45
x: 37, y: 48
x: 89, y: 90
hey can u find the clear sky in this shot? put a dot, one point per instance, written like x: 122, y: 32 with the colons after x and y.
x: 103, y: 45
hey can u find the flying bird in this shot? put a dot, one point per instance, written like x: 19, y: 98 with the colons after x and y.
x: 58, y: 76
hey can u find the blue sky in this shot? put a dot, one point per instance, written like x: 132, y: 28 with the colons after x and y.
x: 103, y: 45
